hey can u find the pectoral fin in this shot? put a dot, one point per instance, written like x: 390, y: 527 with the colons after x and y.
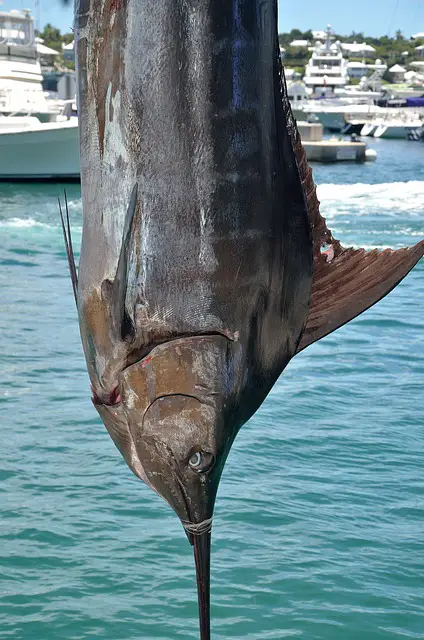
x: 352, y: 282
x: 346, y: 281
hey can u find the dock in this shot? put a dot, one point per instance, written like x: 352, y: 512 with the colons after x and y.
x: 333, y: 150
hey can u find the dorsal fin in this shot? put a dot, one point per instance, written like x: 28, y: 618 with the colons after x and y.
x: 124, y: 317
x: 346, y: 281
x: 66, y: 228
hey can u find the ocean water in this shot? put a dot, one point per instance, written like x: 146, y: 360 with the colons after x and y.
x: 319, y: 525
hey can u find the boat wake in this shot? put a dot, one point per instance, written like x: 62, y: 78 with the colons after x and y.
x: 389, y: 199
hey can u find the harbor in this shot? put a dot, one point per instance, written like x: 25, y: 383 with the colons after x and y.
x: 31, y: 118
x: 326, y: 93
x: 332, y: 149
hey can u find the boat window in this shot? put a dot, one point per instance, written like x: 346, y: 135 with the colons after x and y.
x: 16, y: 30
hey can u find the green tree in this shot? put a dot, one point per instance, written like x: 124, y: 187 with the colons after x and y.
x: 67, y: 38
x: 52, y: 37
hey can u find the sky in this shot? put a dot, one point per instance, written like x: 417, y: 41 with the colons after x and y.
x: 372, y: 17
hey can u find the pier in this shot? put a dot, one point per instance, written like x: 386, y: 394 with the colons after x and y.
x: 333, y: 150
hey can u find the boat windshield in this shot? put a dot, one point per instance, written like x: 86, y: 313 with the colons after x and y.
x: 16, y: 30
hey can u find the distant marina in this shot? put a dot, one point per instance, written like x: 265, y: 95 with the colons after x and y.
x: 38, y: 105
x: 325, y: 95
x: 38, y: 132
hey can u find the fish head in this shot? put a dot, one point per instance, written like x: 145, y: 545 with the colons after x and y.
x: 179, y: 402
x: 178, y: 406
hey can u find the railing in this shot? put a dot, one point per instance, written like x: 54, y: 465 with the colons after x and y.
x: 12, y: 53
x: 405, y: 117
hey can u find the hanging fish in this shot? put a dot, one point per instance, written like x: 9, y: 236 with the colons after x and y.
x: 205, y: 263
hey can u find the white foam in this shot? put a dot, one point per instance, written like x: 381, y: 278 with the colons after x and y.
x: 388, y: 198
x: 371, y: 247
x: 28, y: 223
x: 22, y: 223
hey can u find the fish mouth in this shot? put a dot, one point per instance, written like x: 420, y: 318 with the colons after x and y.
x: 199, y: 536
x: 202, y: 557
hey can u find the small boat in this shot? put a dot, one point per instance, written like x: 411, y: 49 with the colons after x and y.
x: 34, y: 150
x: 397, y: 129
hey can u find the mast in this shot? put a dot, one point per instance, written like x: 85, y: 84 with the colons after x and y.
x: 37, y: 17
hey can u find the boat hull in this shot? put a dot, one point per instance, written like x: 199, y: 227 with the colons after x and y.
x: 368, y: 129
x: 332, y: 121
x: 399, y: 132
x: 43, y: 153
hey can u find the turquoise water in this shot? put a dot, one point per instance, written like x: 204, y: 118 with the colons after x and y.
x: 319, y: 527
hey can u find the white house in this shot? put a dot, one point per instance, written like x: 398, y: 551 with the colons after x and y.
x: 46, y: 54
x: 68, y: 52
x: 357, y: 69
x: 358, y: 49
x: 300, y: 44
x: 397, y: 74
x: 319, y: 35
x: 420, y: 50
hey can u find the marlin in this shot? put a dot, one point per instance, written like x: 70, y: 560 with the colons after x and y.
x: 205, y: 264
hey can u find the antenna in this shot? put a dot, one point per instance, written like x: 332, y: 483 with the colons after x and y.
x: 37, y: 16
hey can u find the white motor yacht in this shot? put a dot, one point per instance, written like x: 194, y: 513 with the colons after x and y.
x: 393, y: 124
x: 334, y: 115
x: 21, y: 91
x: 34, y: 150
x: 327, y: 74
x: 399, y: 128
x: 326, y: 69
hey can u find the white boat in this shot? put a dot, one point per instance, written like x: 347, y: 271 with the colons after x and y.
x: 396, y: 129
x: 326, y: 69
x: 335, y: 100
x: 21, y: 91
x: 334, y: 114
x: 34, y: 150
x: 393, y: 123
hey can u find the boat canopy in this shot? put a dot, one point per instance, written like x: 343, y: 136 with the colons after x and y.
x: 415, y: 102
x: 16, y: 29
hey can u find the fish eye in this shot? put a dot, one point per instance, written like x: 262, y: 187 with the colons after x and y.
x: 195, y: 460
x: 201, y: 461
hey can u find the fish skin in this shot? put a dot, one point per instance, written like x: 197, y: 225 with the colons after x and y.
x: 200, y: 216
x: 182, y: 99
x: 202, y: 268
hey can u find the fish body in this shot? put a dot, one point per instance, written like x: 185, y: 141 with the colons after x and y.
x: 188, y: 169
x: 201, y: 271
